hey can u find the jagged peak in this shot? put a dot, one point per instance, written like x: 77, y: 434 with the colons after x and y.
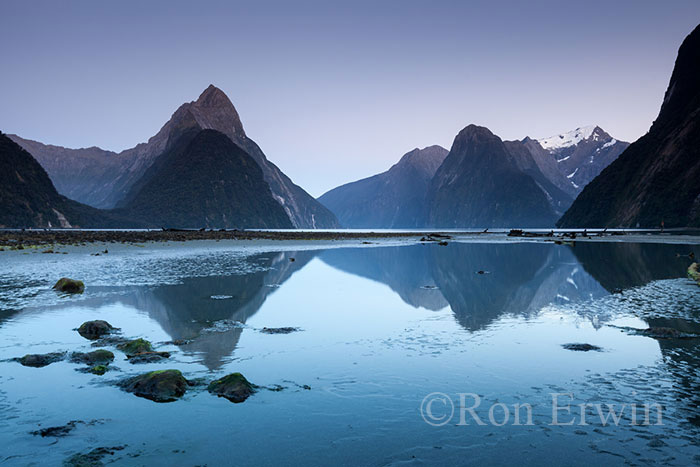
x: 574, y: 137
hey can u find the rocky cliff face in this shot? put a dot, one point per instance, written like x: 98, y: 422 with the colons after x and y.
x: 655, y: 179
x: 480, y: 184
x: 392, y: 199
x: 103, y: 179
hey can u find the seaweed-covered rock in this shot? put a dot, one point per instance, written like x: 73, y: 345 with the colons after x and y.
x: 158, y: 386
x: 693, y: 272
x: 67, y: 285
x: 93, y: 330
x: 148, y: 357
x: 581, y: 347
x: 233, y: 387
x: 40, y: 360
x: 284, y: 330
x: 92, y: 458
x: 96, y: 357
x: 99, y: 369
x: 135, y: 347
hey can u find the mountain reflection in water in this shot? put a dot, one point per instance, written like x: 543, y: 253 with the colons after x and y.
x: 480, y: 282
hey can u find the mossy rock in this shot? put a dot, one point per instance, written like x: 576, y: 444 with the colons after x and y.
x: 158, y: 386
x: 693, y: 272
x: 67, y: 285
x: 234, y: 387
x: 99, y: 370
x: 97, y: 357
x: 134, y: 347
x: 40, y: 360
x: 93, y: 330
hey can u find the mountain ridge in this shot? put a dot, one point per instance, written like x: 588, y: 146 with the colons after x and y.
x: 104, y: 178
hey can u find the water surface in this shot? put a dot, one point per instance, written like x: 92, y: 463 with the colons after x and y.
x: 381, y: 327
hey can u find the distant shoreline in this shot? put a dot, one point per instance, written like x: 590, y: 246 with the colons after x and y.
x: 17, y: 239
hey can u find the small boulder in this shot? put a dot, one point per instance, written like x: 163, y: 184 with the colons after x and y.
x: 97, y: 357
x: 158, y: 386
x: 67, y: 285
x: 582, y: 347
x: 233, y: 387
x: 93, y: 330
x: 284, y: 330
x: 135, y: 347
x: 148, y: 357
x: 99, y: 370
x: 40, y: 360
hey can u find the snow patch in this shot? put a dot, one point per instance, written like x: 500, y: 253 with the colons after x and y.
x: 563, y: 159
x: 566, y: 140
x: 572, y: 173
x: 610, y: 143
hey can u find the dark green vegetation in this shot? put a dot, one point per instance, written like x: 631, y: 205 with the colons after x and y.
x: 657, y: 179
x: 234, y: 387
x: 480, y: 185
x: 67, y: 285
x: 158, y: 386
x: 393, y: 199
x: 205, y: 180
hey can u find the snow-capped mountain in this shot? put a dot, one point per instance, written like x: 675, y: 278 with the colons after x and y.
x: 583, y: 153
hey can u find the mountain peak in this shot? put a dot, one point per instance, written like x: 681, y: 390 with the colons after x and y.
x: 213, y: 110
x: 213, y: 96
x: 426, y: 160
x: 475, y: 131
x: 573, y: 137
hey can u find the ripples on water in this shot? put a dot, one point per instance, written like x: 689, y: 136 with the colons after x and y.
x: 380, y: 328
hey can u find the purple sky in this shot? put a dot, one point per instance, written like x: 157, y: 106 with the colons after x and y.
x: 336, y: 91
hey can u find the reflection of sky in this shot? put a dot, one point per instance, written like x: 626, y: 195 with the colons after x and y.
x: 369, y: 357
x: 337, y: 91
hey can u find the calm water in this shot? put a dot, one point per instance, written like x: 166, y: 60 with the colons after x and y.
x: 381, y: 328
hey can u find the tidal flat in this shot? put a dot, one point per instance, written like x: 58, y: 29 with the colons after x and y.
x: 345, y: 342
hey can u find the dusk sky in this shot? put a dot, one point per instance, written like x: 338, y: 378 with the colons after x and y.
x: 336, y: 91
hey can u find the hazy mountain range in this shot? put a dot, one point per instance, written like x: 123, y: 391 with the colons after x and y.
x: 481, y: 182
x: 202, y: 170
